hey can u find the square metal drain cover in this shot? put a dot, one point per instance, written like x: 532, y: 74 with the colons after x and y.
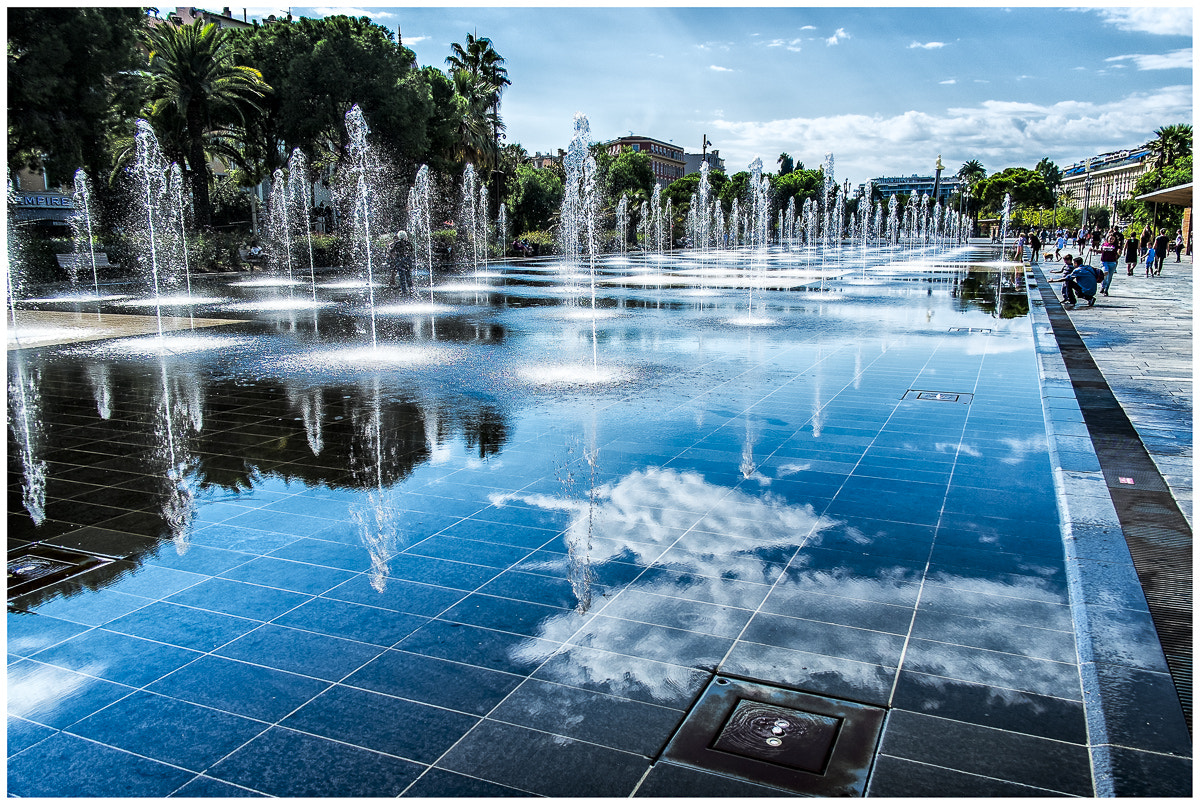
x: 938, y: 396
x: 32, y: 567
x: 784, y: 738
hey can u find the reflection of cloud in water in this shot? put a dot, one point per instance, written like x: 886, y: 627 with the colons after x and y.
x: 639, y: 518
x: 645, y: 512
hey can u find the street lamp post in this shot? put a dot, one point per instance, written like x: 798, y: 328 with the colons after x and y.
x: 937, y: 177
x: 1087, y: 191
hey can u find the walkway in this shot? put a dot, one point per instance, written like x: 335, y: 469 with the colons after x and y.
x: 1141, y: 338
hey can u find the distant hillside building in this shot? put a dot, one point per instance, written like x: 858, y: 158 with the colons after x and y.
x: 888, y: 186
x: 185, y: 15
x: 692, y: 162
x: 666, y: 159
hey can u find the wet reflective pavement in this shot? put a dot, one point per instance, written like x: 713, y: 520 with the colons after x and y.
x: 506, y: 549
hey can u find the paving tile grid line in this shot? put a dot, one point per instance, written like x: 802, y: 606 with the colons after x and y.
x: 1138, y: 733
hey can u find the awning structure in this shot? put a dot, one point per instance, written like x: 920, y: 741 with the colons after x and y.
x: 1180, y: 195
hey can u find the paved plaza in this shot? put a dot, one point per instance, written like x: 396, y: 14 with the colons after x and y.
x: 749, y: 526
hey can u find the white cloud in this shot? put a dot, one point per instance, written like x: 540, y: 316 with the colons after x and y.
x: 716, y: 68
x: 808, y: 27
x: 1161, y: 20
x: 837, y: 37
x: 415, y: 40
x: 927, y: 45
x: 1175, y: 60
x: 353, y: 11
x: 998, y: 133
x: 791, y: 44
x: 949, y: 81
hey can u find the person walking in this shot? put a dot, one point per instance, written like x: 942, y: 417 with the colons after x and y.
x: 1160, y: 251
x: 1108, y: 261
x: 1178, y: 245
x: 1144, y: 240
x: 1131, y: 254
x: 1019, y: 253
x: 1035, y: 247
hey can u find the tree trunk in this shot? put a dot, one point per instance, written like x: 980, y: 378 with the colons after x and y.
x: 201, y: 205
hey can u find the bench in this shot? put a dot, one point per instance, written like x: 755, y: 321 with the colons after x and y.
x: 68, y: 260
x: 259, y: 259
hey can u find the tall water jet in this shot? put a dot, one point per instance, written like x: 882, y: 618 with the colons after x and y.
x: 893, y: 221
x: 482, y: 217
x: 468, y: 216
x: 280, y: 223
x: 502, y: 228
x: 656, y: 217
x: 81, y: 223
x: 623, y: 222
x: 1005, y: 211
x: 178, y: 208
x: 150, y: 171
x: 827, y: 201
x: 420, y: 220
x: 572, y: 212
x: 298, y: 193
x: 703, y: 193
x: 362, y: 189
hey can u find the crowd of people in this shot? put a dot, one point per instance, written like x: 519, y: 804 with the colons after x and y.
x: 1083, y: 280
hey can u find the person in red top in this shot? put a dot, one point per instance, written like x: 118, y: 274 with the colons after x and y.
x: 1108, y: 260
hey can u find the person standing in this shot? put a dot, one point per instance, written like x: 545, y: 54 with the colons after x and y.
x: 1059, y: 245
x: 1019, y: 255
x: 1178, y: 245
x: 1131, y: 254
x: 1144, y: 240
x: 1160, y: 251
x: 402, y: 262
x: 1035, y: 247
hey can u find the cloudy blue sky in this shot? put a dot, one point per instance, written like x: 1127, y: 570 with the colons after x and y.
x: 885, y: 89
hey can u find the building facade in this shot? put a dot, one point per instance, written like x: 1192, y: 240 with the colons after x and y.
x: 666, y: 159
x: 888, y: 186
x: 692, y: 162
x: 1103, y: 180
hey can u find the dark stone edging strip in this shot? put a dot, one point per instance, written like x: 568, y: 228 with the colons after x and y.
x: 1138, y: 731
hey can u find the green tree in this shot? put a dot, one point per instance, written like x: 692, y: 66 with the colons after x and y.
x: 972, y: 172
x: 488, y: 78
x: 1050, y: 174
x: 200, y: 99
x: 319, y: 69
x: 800, y: 185
x: 1027, y: 188
x: 70, y: 86
x: 535, y: 197
x: 786, y: 164
x: 630, y: 172
x: 1172, y: 175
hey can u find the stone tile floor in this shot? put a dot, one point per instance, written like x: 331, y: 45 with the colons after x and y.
x: 432, y: 572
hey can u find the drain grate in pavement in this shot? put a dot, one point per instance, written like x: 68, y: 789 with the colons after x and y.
x: 938, y: 396
x: 788, y: 739
x: 32, y: 567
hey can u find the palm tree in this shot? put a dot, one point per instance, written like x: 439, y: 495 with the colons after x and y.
x: 1170, y: 143
x: 199, y: 100
x: 972, y: 172
x: 488, y: 79
x: 477, y: 125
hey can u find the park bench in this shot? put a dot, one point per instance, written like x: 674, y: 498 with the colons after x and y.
x: 68, y: 260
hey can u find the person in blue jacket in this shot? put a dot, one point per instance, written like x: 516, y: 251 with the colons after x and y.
x: 1081, y: 282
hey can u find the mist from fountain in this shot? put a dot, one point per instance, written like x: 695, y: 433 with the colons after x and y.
x: 25, y: 422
